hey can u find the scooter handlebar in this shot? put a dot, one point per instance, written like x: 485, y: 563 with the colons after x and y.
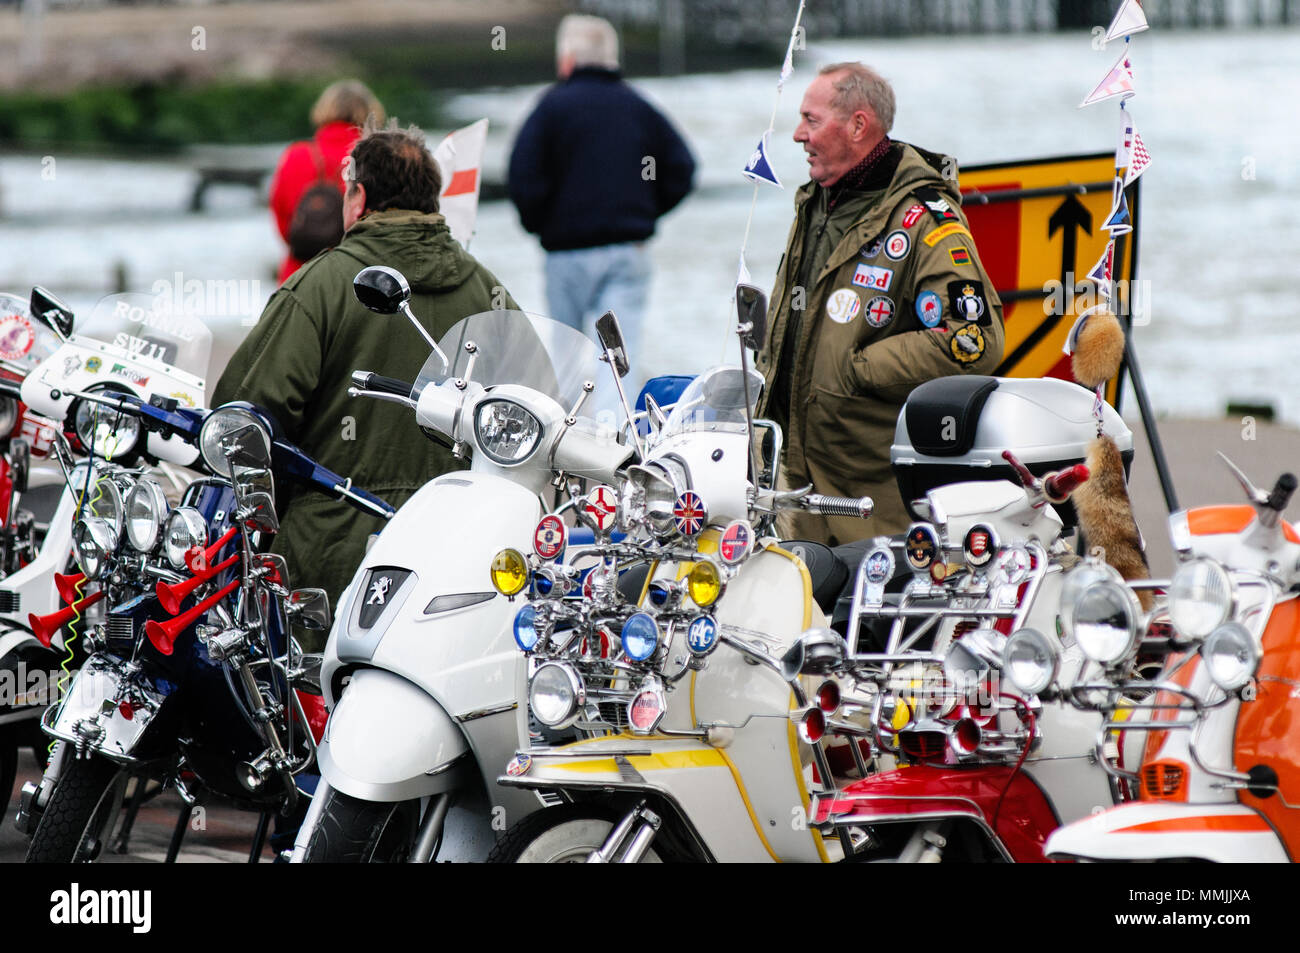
x: 1282, y: 492
x: 1058, y: 486
x: 368, y: 380
x: 856, y: 506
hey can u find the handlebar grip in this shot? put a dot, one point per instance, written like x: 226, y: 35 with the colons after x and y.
x: 858, y: 506
x: 368, y: 380
x: 1282, y: 491
x: 1058, y: 486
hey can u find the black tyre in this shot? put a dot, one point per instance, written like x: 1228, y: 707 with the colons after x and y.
x: 352, y: 831
x: 8, y: 769
x: 559, y: 835
x: 79, y: 814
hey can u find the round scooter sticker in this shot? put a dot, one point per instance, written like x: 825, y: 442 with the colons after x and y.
x: 702, y: 635
x: 689, y: 514
x: 879, y: 566
x: 922, y: 547
x: 979, y: 545
x: 601, y: 507
x: 549, y: 537
x: 736, y: 541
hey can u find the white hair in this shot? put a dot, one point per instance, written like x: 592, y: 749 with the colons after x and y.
x: 591, y: 41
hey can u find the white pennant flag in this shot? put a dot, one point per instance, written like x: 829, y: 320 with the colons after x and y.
x: 460, y: 158
x: 1124, y: 151
x: 1118, y: 82
x: 1139, y: 161
x: 1103, y: 271
x: 742, y: 273
x: 1129, y: 20
x: 787, y: 67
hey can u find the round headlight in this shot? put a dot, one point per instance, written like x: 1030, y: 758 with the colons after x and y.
x: 146, y: 507
x: 556, y: 695
x: 505, y: 431
x: 1030, y: 661
x: 1200, y: 598
x: 640, y: 636
x: 219, y: 423
x: 1077, y: 580
x: 704, y: 584
x: 110, y: 432
x: 186, y: 528
x: 1231, y: 655
x: 509, y: 572
x: 92, y: 542
x: 526, y: 628
x: 104, y: 500
x: 1106, y: 621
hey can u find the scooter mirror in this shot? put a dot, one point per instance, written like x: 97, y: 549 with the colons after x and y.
x: 307, y: 677
x: 275, y: 568
x: 611, y: 339
x: 751, y: 308
x: 381, y: 289
x: 260, y: 517
x: 309, y: 608
x: 46, y: 307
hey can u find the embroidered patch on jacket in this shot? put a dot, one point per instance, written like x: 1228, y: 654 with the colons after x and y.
x: 929, y: 308
x: 873, y: 276
x: 959, y: 255
x: 968, y: 302
x: 913, y: 215
x: 967, y: 345
x: 880, y: 311
x: 843, y: 305
x: 943, y: 231
x: 897, y: 245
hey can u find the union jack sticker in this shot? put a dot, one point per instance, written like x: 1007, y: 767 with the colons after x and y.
x: 549, y: 537
x: 689, y: 514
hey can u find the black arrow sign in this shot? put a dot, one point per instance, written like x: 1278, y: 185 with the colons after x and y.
x: 1068, y: 218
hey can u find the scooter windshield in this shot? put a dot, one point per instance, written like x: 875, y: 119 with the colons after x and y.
x: 714, y: 401
x: 515, y: 347
x: 150, y: 332
x: 24, y: 340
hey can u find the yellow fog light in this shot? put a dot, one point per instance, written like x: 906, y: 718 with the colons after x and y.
x: 704, y: 584
x: 509, y: 572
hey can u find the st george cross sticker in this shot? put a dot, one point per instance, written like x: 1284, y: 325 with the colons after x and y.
x: 601, y: 508
x: 689, y: 514
x: 549, y: 537
x: 735, y: 543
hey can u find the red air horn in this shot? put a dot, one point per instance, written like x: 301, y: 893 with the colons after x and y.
x: 172, y: 594
x: 44, y: 626
x: 67, y: 585
x: 197, y: 560
x: 163, y: 634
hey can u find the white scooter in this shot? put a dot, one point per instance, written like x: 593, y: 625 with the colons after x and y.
x: 421, y: 672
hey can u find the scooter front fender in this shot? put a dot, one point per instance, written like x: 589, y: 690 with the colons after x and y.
x: 388, y: 740
x: 1152, y: 830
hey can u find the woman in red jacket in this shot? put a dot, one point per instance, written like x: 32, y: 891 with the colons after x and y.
x: 338, y: 116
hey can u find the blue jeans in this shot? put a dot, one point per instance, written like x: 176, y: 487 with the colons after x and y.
x: 583, y: 284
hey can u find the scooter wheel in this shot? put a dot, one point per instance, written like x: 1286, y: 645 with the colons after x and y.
x: 352, y: 831
x: 79, y: 815
x: 566, y: 834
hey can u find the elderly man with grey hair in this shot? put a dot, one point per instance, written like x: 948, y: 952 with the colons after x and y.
x: 592, y: 170
x: 880, y: 290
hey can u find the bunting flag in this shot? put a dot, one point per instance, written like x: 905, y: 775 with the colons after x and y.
x: 460, y: 159
x: 1139, y: 161
x: 787, y: 67
x: 1128, y: 20
x: 1103, y: 271
x: 742, y: 273
x: 1124, y: 151
x: 1118, y: 221
x: 759, y: 168
x: 1118, y: 82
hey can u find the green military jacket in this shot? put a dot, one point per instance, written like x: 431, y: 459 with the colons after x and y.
x: 900, y: 299
x: 297, y: 363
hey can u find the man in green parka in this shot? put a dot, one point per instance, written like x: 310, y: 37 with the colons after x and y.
x: 880, y: 289
x: 297, y: 363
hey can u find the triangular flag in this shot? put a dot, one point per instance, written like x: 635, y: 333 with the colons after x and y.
x: 460, y: 158
x: 1124, y: 151
x: 1118, y: 82
x: 1118, y: 221
x: 787, y: 67
x: 1139, y: 161
x: 1129, y: 20
x: 759, y: 168
x: 1102, y: 272
x: 742, y: 273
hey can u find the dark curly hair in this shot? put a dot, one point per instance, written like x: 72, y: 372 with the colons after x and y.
x: 396, y: 168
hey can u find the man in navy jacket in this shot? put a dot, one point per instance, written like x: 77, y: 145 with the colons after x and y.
x: 594, y: 167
